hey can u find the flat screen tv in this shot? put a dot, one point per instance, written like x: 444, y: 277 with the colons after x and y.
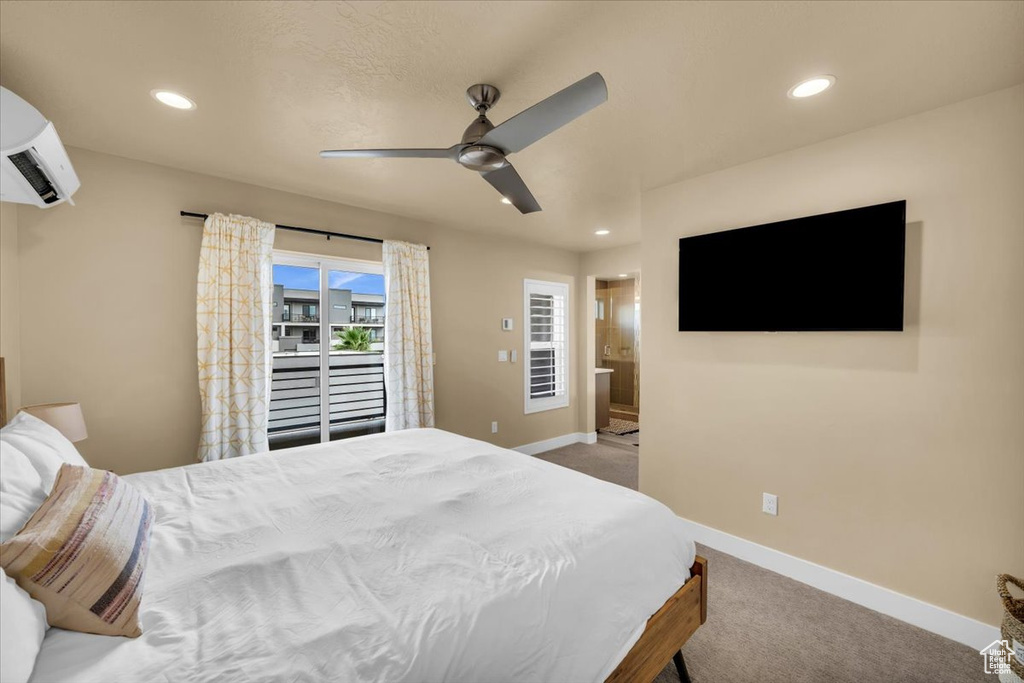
x: 835, y: 271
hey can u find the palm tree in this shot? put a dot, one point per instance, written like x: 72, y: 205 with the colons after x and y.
x: 353, y: 339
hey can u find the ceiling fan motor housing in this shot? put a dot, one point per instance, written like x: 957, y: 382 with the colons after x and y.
x: 476, y: 130
x: 480, y: 157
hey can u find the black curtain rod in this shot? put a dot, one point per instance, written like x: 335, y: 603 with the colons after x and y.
x: 311, y: 231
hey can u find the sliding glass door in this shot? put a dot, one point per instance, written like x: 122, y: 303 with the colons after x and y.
x: 356, y: 383
x: 328, y: 331
x: 295, y: 409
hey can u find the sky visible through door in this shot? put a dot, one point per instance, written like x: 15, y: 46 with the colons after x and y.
x: 297, y: 277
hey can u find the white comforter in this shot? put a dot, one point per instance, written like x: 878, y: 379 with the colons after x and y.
x: 416, y: 556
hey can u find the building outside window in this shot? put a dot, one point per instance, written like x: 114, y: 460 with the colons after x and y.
x: 346, y: 308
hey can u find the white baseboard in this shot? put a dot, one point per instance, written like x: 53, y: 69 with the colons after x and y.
x: 557, y: 442
x: 905, y: 608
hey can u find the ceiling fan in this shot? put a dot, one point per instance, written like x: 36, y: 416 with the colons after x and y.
x: 484, y: 146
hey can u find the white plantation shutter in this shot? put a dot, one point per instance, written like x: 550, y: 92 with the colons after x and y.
x: 546, y: 326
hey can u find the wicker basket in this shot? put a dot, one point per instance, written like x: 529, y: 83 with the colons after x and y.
x: 1013, y: 619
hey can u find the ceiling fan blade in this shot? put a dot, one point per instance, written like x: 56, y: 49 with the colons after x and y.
x: 547, y: 116
x: 449, y: 153
x: 506, y: 181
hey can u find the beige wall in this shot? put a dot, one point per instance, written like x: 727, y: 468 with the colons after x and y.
x: 108, y: 307
x: 607, y: 263
x: 603, y: 263
x: 897, y: 457
x: 10, y: 323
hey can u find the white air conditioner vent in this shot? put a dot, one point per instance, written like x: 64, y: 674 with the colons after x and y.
x: 34, y: 166
x: 26, y: 164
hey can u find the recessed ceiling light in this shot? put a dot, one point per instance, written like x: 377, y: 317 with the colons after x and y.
x: 601, y: 232
x: 172, y: 99
x: 812, y: 86
x: 623, y: 274
x: 506, y: 200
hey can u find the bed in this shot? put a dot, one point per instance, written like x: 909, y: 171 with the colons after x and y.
x: 412, y: 556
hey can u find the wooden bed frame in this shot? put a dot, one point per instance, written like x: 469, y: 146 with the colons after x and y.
x: 667, y: 631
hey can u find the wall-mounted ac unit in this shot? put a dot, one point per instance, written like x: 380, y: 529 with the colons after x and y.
x: 34, y: 167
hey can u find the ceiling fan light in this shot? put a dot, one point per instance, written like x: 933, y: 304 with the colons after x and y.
x: 506, y: 200
x: 481, y: 158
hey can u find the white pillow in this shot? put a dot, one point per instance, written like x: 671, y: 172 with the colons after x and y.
x: 22, y: 627
x: 45, y: 447
x: 21, y: 491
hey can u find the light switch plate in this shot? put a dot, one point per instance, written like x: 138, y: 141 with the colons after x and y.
x: 506, y: 324
x: 503, y: 356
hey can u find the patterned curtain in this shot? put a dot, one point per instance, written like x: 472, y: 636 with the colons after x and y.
x: 408, y: 352
x: 233, y: 316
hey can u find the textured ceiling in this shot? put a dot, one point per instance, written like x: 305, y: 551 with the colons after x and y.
x: 693, y: 87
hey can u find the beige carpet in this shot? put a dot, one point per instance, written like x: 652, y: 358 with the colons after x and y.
x: 608, y: 462
x: 763, y: 627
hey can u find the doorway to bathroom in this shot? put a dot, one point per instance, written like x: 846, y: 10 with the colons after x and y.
x: 617, y: 357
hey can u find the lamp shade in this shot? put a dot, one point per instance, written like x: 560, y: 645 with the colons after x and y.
x: 66, y: 418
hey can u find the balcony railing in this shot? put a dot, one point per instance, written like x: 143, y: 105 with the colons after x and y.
x: 379, y: 320
x: 300, y: 318
x: 356, y: 392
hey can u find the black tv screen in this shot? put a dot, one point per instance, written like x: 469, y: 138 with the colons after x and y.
x: 835, y: 271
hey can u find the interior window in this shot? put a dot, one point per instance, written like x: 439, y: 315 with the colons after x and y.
x: 546, y: 312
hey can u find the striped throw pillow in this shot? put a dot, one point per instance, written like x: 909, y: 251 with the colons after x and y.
x: 83, y: 553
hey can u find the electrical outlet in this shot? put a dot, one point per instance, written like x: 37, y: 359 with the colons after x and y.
x: 494, y: 428
x: 770, y: 504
